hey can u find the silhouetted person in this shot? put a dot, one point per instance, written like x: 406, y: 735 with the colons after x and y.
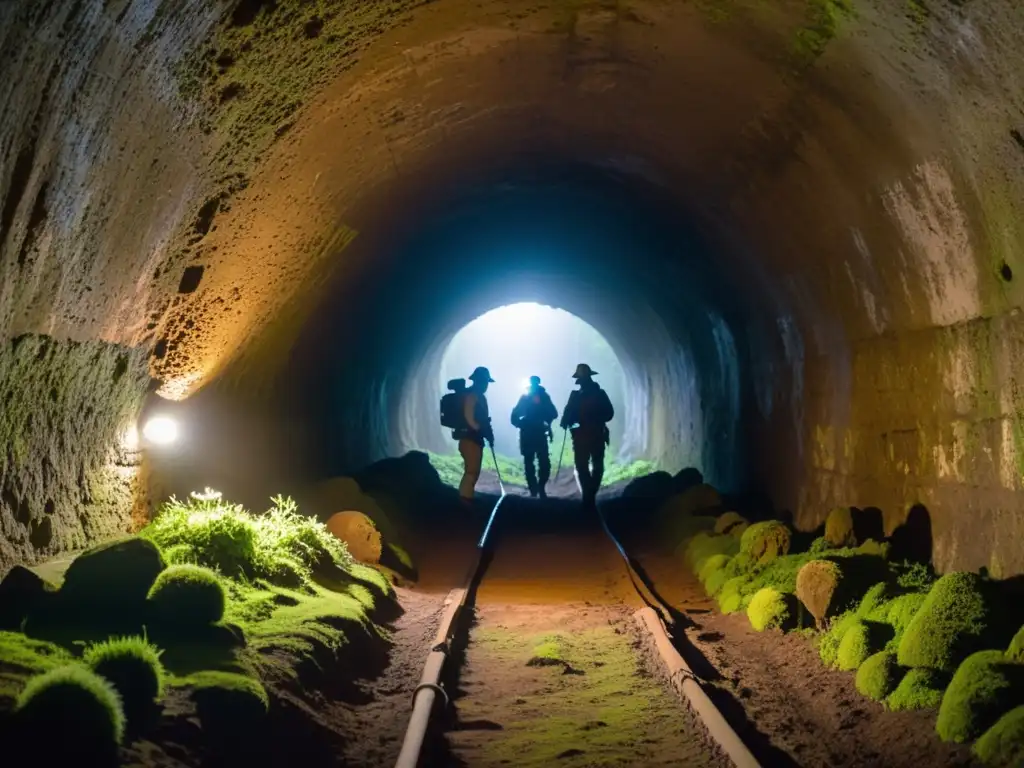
x: 532, y: 416
x: 474, y: 430
x: 587, y: 415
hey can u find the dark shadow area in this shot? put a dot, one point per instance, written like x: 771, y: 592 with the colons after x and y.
x: 912, y: 539
x: 868, y: 523
x: 758, y: 743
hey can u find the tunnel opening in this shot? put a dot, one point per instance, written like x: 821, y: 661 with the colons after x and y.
x: 517, y: 341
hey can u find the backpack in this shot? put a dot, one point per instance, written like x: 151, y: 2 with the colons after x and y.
x: 451, y: 406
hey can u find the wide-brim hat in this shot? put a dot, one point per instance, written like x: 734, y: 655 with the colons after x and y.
x: 481, y: 374
x: 583, y: 370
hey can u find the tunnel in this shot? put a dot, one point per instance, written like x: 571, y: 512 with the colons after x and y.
x: 797, y: 225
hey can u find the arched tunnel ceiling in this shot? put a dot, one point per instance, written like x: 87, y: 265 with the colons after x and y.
x: 192, y: 178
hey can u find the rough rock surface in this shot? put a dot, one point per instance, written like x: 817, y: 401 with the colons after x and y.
x: 816, y: 585
x: 359, y: 533
x: 179, y: 180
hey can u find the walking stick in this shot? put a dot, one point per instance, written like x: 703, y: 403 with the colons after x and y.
x: 497, y: 469
x: 561, y: 454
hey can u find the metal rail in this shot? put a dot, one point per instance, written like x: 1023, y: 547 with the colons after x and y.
x: 656, y: 617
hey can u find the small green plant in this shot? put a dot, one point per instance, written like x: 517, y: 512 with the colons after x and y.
x: 711, y: 565
x: 819, y: 546
x: 828, y: 644
x: 133, y: 667
x: 769, y: 609
x: 1015, y: 651
x: 1003, y: 743
x: 984, y: 687
x: 879, y: 675
x: 187, y: 596
x: 920, y: 688
x: 281, y: 546
x: 71, y: 709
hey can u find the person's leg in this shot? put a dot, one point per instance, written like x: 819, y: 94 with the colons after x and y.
x: 581, y: 458
x: 472, y: 454
x: 597, y: 456
x: 528, y: 466
x: 544, y: 462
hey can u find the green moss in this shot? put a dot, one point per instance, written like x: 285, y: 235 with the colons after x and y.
x: 111, y: 580
x: 705, y: 545
x: 1015, y: 651
x: 1003, y: 743
x: 984, y: 687
x: 951, y: 624
x: 920, y: 688
x: 187, y: 596
x: 765, y: 541
x: 22, y: 657
x: 712, y: 564
x: 879, y: 675
x: 901, y: 611
x: 716, y: 581
x: 281, y: 545
x: 730, y: 597
x: 71, y: 708
x: 839, y: 528
x: 861, y: 640
x: 823, y: 20
x: 828, y: 643
x: 133, y: 667
x: 548, y: 650
x: 403, y: 557
x: 725, y: 522
x: 770, y: 609
x: 819, y: 546
x: 228, y: 704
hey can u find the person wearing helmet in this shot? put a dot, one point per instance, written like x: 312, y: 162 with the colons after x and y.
x: 532, y: 416
x: 477, y: 429
x: 587, y: 415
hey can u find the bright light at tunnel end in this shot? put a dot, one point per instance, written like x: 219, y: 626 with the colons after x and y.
x: 160, y: 430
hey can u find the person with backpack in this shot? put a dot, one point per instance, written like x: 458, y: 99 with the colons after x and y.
x: 465, y: 412
x: 586, y: 415
x: 532, y: 416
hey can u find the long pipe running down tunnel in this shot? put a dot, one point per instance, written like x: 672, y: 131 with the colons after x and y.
x: 797, y: 224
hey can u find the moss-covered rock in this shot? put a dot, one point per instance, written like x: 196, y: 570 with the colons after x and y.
x: 730, y: 598
x: 22, y: 592
x: 861, y: 640
x: 839, y: 528
x: 227, y: 703
x: 879, y: 675
x: 875, y: 548
x: 729, y: 520
x: 716, y: 581
x: 112, y: 579
x: 706, y: 545
x: 1003, y: 743
x: 920, y: 688
x: 828, y: 643
x: 817, y: 584
x: 359, y: 534
x: 951, y: 624
x: 763, y: 542
x: 712, y: 564
x: 187, y: 596
x: 902, y: 609
x: 133, y: 667
x: 770, y: 609
x: 1015, y: 651
x: 984, y: 688
x: 70, y: 713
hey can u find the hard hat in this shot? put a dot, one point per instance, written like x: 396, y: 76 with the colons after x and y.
x: 583, y: 371
x: 535, y: 381
x: 481, y: 374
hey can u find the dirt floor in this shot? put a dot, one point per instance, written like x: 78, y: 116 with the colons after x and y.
x: 554, y: 672
x: 787, y: 707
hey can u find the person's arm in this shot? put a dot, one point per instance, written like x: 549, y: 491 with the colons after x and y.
x: 552, y: 412
x: 609, y: 410
x: 469, y: 411
x: 517, y: 413
x: 484, y: 417
x: 568, y: 414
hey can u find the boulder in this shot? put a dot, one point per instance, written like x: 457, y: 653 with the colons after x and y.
x: 686, y: 478
x: 726, y: 523
x: 839, y: 528
x: 817, y: 586
x: 359, y: 534
x: 763, y: 542
x: 21, y: 592
x: 113, y: 577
